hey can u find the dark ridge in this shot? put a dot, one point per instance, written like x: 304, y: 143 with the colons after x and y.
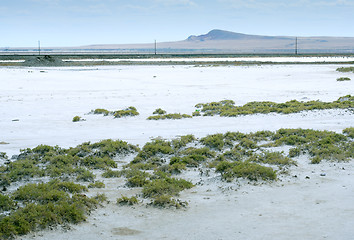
x: 217, y: 34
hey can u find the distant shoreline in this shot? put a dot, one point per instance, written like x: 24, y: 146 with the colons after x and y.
x: 64, y: 60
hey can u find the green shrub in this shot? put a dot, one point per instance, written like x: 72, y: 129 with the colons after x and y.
x: 165, y: 186
x: 98, y: 162
x: 182, y: 141
x: 105, y: 112
x: 3, y: 155
x: 150, y: 149
x: 341, y: 79
x: 349, y: 132
x: 21, y: 169
x: 345, y: 69
x: 127, y: 201
x: 34, y: 216
x: 67, y: 186
x: 316, y: 160
x: 196, y: 114
x: 294, y: 152
x: 130, y: 111
x: 169, y: 116
x: 176, y: 168
x: 136, y: 178
x: 100, y: 198
x: 248, y: 170
x: 230, y: 110
x: 85, y: 176
x: 137, y: 181
x: 6, y: 203
x: 47, y: 192
x: 273, y: 158
x: 165, y: 201
x: 76, y: 119
x: 112, y: 148
x: 205, y: 151
x: 215, y: 141
x: 248, y: 143
x: 97, y: 184
x: 112, y: 174
x: 159, y: 111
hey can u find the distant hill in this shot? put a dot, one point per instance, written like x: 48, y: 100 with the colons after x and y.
x: 220, y: 41
x: 217, y: 34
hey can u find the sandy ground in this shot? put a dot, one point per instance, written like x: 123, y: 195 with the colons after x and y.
x: 38, y: 104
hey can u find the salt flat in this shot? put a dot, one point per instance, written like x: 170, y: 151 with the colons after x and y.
x: 43, y: 101
x: 224, y: 59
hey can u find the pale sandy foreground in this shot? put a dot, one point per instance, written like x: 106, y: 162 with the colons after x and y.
x: 37, y: 106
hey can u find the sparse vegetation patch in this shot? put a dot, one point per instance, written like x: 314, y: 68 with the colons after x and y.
x: 341, y: 79
x: 127, y: 112
x: 59, y: 199
x: 345, y: 69
x: 227, y: 108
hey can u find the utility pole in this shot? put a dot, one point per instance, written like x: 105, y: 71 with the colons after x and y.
x: 296, y: 46
x: 155, y: 47
x: 39, y: 47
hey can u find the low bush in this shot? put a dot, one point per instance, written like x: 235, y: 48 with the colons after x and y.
x: 159, y: 111
x: 35, y: 215
x: 76, y: 119
x: 349, y: 132
x: 169, y: 116
x: 157, y: 146
x: 228, y: 109
x: 112, y: 174
x: 182, y: 141
x: 176, y: 168
x: 128, y: 112
x: 165, y: 186
x: 94, y: 162
x: 96, y: 184
x: 215, y: 141
x: 345, y: 69
x: 3, y: 155
x: 166, y: 201
x: 272, y: 158
x: 6, y: 203
x: 85, y: 176
x: 196, y: 113
x: 341, y: 79
x: 247, y: 170
x: 127, y: 201
x: 103, y: 111
x: 112, y: 148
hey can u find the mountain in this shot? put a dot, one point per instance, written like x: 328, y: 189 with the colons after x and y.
x: 217, y: 34
x: 221, y: 41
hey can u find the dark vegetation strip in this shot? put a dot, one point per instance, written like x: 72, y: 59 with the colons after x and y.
x: 128, y: 112
x: 227, y: 108
x: 160, y: 114
x: 346, y: 69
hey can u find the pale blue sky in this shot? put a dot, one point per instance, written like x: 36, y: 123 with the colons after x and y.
x: 84, y: 22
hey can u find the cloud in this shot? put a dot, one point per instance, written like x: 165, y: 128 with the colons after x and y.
x: 265, y: 4
x: 188, y: 3
x: 333, y: 3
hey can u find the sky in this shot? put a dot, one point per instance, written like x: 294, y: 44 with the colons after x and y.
x: 61, y: 23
